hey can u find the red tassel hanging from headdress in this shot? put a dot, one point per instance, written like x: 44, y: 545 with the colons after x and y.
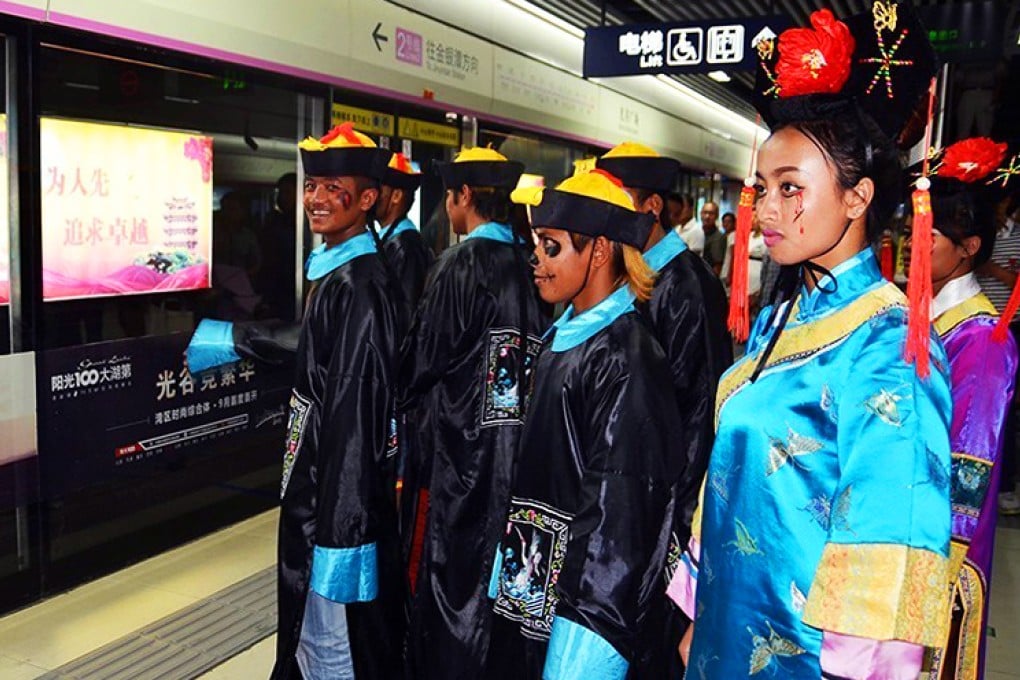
x: 885, y: 258
x: 919, y: 288
x: 739, y: 319
x: 1001, y: 331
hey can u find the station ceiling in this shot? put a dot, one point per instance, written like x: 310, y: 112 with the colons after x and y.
x: 736, y: 94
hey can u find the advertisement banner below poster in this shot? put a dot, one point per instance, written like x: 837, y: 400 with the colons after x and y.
x: 117, y: 409
x: 18, y: 477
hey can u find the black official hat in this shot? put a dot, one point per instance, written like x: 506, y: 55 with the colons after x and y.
x: 342, y: 152
x: 480, y: 167
x: 640, y: 167
x: 593, y: 204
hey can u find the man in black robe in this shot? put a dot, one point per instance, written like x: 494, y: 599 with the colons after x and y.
x: 463, y: 384
x: 688, y: 314
x: 402, y: 243
x: 340, y: 581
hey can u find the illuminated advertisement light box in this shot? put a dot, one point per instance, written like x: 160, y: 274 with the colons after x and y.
x: 125, y: 210
x: 5, y: 232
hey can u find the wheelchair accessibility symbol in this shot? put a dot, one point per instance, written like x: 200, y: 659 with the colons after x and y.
x: 684, y: 46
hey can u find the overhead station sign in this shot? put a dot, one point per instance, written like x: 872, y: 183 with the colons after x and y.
x: 636, y: 49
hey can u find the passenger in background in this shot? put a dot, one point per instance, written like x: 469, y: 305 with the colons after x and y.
x: 402, y: 244
x: 340, y: 582
x: 687, y: 312
x: 729, y: 224
x: 686, y: 224
x: 983, y: 361
x: 465, y: 371
x: 578, y: 572
x: 278, y: 240
x: 237, y: 259
x: 715, y: 240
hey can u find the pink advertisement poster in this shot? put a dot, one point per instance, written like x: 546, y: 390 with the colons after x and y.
x: 5, y: 232
x: 125, y: 210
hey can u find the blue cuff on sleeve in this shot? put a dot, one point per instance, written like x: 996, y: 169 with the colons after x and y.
x: 497, y: 568
x: 579, y: 653
x: 345, y: 574
x: 211, y: 345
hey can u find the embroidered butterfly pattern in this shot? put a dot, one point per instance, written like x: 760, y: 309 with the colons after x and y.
x: 820, y: 509
x: 841, y: 512
x: 719, y: 481
x: 782, y: 452
x: 702, y: 663
x: 744, y: 543
x: 828, y: 403
x: 706, y: 568
x: 797, y: 598
x: 884, y: 405
x: 937, y: 473
x: 767, y: 651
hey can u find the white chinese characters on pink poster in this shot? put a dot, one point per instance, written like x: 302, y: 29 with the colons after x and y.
x: 125, y: 210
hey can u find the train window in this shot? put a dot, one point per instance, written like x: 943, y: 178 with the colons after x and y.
x: 168, y: 195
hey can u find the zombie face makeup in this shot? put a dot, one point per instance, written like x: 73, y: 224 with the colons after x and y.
x: 334, y: 205
x: 802, y: 209
x: 560, y: 270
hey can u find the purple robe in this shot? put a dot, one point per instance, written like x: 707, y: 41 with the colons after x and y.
x: 982, y: 386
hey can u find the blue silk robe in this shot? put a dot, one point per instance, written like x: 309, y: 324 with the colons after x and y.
x: 826, y: 503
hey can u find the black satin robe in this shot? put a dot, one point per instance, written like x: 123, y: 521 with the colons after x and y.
x: 338, y: 486
x: 688, y: 312
x: 461, y: 372
x: 593, y: 498
x: 410, y: 259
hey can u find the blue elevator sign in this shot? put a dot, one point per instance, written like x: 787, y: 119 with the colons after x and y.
x: 718, y: 45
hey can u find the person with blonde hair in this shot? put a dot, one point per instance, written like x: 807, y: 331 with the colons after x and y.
x: 580, y: 564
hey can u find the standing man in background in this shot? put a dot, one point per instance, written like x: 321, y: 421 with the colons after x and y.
x: 715, y: 239
x: 681, y: 215
x: 402, y: 243
x: 465, y: 376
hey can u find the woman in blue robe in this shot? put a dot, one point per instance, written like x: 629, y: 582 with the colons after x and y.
x: 822, y: 546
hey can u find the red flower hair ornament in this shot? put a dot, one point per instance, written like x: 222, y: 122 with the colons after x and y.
x: 972, y: 159
x: 814, y: 60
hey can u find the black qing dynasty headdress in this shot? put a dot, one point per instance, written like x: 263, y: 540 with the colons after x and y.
x: 480, y: 167
x: 592, y: 203
x: 876, y: 67
x: 342, y: 152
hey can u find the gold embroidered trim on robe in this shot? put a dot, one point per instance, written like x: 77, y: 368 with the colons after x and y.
x: 882, y: 592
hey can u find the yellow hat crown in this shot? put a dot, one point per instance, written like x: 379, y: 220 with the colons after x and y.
x: 597, y: 184
x: 631, y: 150
x: 479, y: 153
x: 340, y: 137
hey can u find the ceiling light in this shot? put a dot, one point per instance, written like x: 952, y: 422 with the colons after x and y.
x: 547, y: 17
x: 719, y: 76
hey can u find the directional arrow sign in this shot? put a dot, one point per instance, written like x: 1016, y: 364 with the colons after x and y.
x: 378, y: 37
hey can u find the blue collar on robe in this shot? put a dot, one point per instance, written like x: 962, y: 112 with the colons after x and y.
x: 663, y: 252
x: 494, y: 231
x: 854, y: 277
x: 572, y: 330
x: 323, y: 260
x: 404, y: 225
